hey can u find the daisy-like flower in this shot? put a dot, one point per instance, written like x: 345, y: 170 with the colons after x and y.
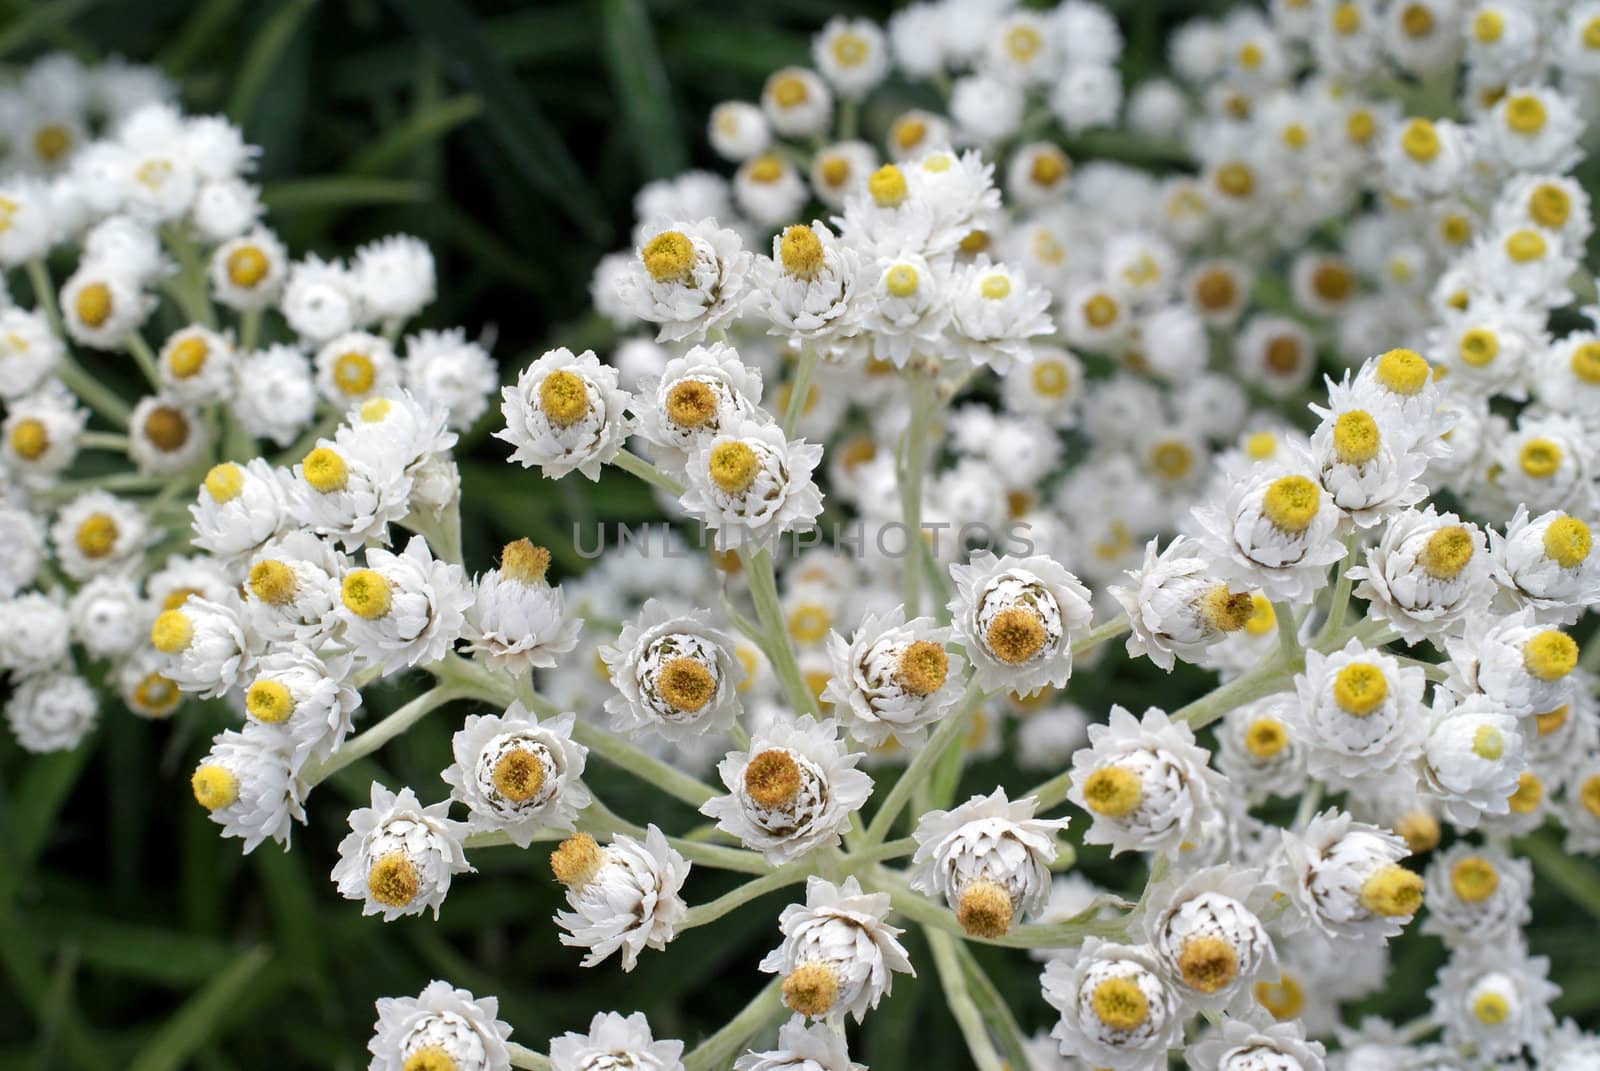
x: 1344, y: 880
x: 1176, y: 608
x: 851, y: 54
x: 674, y: 675
x: 518, y: 775
x: 1360, y: 714
x: 394, y: 276
x: 307, y: 698
x: 1428, y: 575
x: 165, y: 438
x: 399, y: 857
x: 695, y: 396
x: 442, y: 1027
x: 817, y: 1047
x: 1016, y: 618
x: 404, y: 609
x: 749, y: 485
x: 354, y: 499
x: 615, y: 1042
x: 797, y: 102
x: 893, y: 678
x: 51, y: 711
x: 108, y: 617
x: 810, y: 289
x: 246, y: 785
x: 1365, y: 456
x: 1494, y: 999
x: 1116, y: 1009
x: 1515, y: 662
x: 988, y: 859
x: 444, y: 369
x: 355, y: 366
x: 29, y: 352
x: 1274, y: 528
x: 792, y: 791
x: 320, y: 299
x: 1248, y: 1044
x: 1477, y: 895
x: 208, y: 649
x: 282, y: 397
x: 40, y: 435
x: 1206, y: 931
x: 690, y: 278
x: 1472, y: 757
x: 197, y: 366
x: 240, y: 509
x: 565, y: 412
x: 248, y: 272
x: 1257, y: 750
x: 291, y: 589
x: 517, y: 620
x: 994, y: 312
x: 624, y: 897
x: 101, y: 307
x: 1145, y: 782
x: 839, y: 953
x: 147, y: 691
x: 1545, y: 563
x: 98, y: 533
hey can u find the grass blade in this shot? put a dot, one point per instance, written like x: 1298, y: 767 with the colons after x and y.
x: 259, y: 63
x: 193, y: 1025
x: 642, y: 89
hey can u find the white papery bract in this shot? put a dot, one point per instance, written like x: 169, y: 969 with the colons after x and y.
x: 749, y: 484
x: 690, y: 278
x: 624, y: 897
x: 247, y: 785
x: 1360, y: 714
x: 564, y: 413
x: 1472, y: 758
x: 802, y: 1048
x: 517, y: 775
x: 404, y: 609
x: 1016, y: 618
x: 1477, y: 895
x: 893, y: 678
x: 1343, y: 879
x: 615, y: 1041
x: 1145, y: 782
x: 1495, y: 999
x: 1116, y: 1011
x: 675, y: 675
x: 1428, y: 575
x: 839, y: 953
x: 1256, y: 1042
x: 51, y: 711
x: 399, y: 856
x: 1176, y: 608
x: 1206, y: 930
x: 441, y: 1026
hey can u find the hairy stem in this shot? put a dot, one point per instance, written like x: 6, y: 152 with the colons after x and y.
x: 948, y: 732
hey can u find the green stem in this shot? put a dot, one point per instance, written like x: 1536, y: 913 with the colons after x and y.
x: 1100, y: 634
x: 784, y: 876
x: 105, y: 440
x: 910, y: 473
x: 1271, y: 675
x: 249, y: 330
x: 769, y: 613
x: 146, y: 360
x: 598, y: 818
x: 637, y: 466
x: 190, y: 288
x: 928, y: 913
x: 1288, y: 634
x: 365, y: 743
x: 717, y: 1051
x: 799, y: 389
x: 947, y: 734
x: 527, y: 1058
x: 92, y: 392
x: 984, y: 1055
x: 1340, y: 606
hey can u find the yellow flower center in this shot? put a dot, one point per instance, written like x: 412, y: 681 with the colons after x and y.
x: 1023, y: 43
x: 1586, y: 362
x: 1416, y: 20
x: 1420, y: 831
x: 269, y: 701
x: 353, y: 373
x: 324, y: 470
x: 576, y: 861
x: 1488, y: 743
x: 772, y: 779
x: 834, y: 170
x: 1224, y: 610
x: 1263, y: 618
x: 518, y: 775
x: 1101, y: 311
x: 1455, y: 229
x: 1549, y: 206
x: 97, y: 536
x: 187, y: 357
x: 1284, y: 354
x: 922, y: 668
x: 374, y: 410
x: 430, y: 1058
x: 214, y: 786
x: 1474, y: 879
x: 995, y: 287
x: 1591, y: 34
x: 765, y: 169
x: 811, y: 989
x: 393, y: 880
x: 1015, y: 635
x: 178, y: 596
x: 901, y: 280
x: 1260, y: 445
x: 1172, y: 460
x: 1525, y: 114
x: 1208, y: 964
x: 1050, y: 379
x: 1491, y: 1009
x: 789, y: 90
x: 1112, y: 791
x: 1589, y: 795
x: 156, y: 696
x: 1402, y: 372
x: 1291, y: 503
x: 1550, y: 655
x: 686, y: 684
x: 93, y: 304
x: 669, y: 257
x: 224, y: 482
x: 1540, y: 458
x: 273, y: 582
x: 1567, y: 541
x: 1552, y: 720
x: 1360, y: 126
x: 887, y: 186
x: 1356, y: 437
x: 1420, y: 141
x: 1120, y: 1004
x: 51, y: 142
x: 1332, y: 282
x: 563, y: 398
x: 1216, y: 290
x: 1346, y: 19
x: 1529, y: 794
x: 1049, y: 166
x: 1392, y: 891
x: 166, y: 428
x: 522, y: 561
x: 1235, y: 179
x: 247, y: 266
x: 1487, y: 26
x: 733, y: 466
x: 1525, y: 245
x: 30, y: 439
x: 1478, y: 347
x: 984, y: 909
x: 691, y: 403
x: 1282, y: 999
x: 1446, y: 552
x: 365, y: 593
x: 850, y: 49
x: 800, y: 251
x: 907, y: 132
x: 809, y: 622
x: 1359, y: 689
x: 1265, y: 738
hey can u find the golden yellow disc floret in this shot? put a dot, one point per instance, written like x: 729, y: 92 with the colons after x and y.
x: 1529, y: 794
x: 29, y: 439
x: 1356, y: 438
x: 1015, y: 635
x: 247, y: 266
x: 922, y: 668
x: 1525, y: 245
x: 430, y: 1058
x: 1402, y: 372
x: 1488, y: 743
x: 1291, y: 503
x: 985, y: 909
x: 521, y: 560
x: 691, y: 403
x: 365, y: 593
x: 224, y: 482
x: 811, y: 989
x: 187, y: 357
x: 393, y: 880
x: 1567, y: 542
x: 1491, y: 1009
x: 563, y: 398
x: 1265, y: 738
x: 686, y: 684
x: 324, y: 470
x: 1478, y: 347
x: 1392, y: 891
x: 273, y: 582
x: 800, y: 252
x: 214, y: 786
x: 1208, y: 964
x: 1585, y: 362
x: 1540, y: 458
x: 94, y: 304
x: 1120, y: 1004
x: 577, y: 860
x: 354, y: 373
x: 1474, y: 879
x: 1487, y: 26
x: 1420, y: 141
x: 269, y: 701
x: 172, y: 631
x: 1360, y: 688
x: 1112, y: 791
x: 887, y: 186
x: 1550, y: 206
x: 1282, y: 999
x: 1550, y: 655
x: 1446, y: 552
x: 669, y: 257
x: 1525, y: 113
x: 518, y: 775
x: 772, y: 779
x: 733, y: 466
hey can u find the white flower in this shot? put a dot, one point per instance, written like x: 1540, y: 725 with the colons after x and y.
x: 1533, y: 128
x: 246, y: 786
x: 1365, y: 456
x: 994, y: 312
x: 1016, y: 618
x: 518, y: 619
x: 1116, y: 1011
x: 291, y: 589
x: 208, y: 648
x: 817, y: 1047
x: 749, y: 485
x: 404, y: 609
x: 394, y: 277
x: 810, y: 289
x: 693, y: 398
x: 614, y: 1042
x: 906, y: 307
x: 1206, y: 931
x: 839, y: 953
x: 1428, y: 575
x: 319, y: 300
x: 988, y: 859
x: 1515, y: 662
x: 1495, y: 999
x: 852, y: 54
x: 108, y: 618
x: 1360, y: 714
x: 623, y: 897
x: 565, y: 412
x: 1274, y: 529
x: 101, y: 307
x: 1176, y: 609
x: 792, y: 791
x: 28, y: 230
x: 197, y: 366
x: 98, y: 533
x: 1545, y: 563
x: 689, y: 278
x: 797, y: 103
x: 1145, y: 782
x: 40, y: 435
x: 893, y: 678
x: 306, y: 698
x: 165, y: 438
x: 277, y: 395
x: 1258, y: 752
x: 1425, y: 158
x: 399, y: 856
x: 445, y: 370
x: 737, y: 130
x: 29, y: 352
x: 1477, y: 895
x: 144, y: 688
x: 248, y: 272
x: 338, y: 494
x: 51, y: 711
x: 1253, y: 1045
x: 440, y: 1027
x: 1343, y: 880
x: 675, y: 675
x: 239, y: 509
x: 354, y: 366
x: 518, y: 775
x: 1473, y: 756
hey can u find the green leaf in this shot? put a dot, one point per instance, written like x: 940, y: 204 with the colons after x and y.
x: 992, y: 1006
x: 296, y: 195
x: 195, y: 1023
x: 44, y: 787
x: 198, y: 33
x: 40, y: 21
x: 642, y: 89
x: 424, y: 125
x: 260, y: 62
x: 155, y: 954
x: 1579, y: 880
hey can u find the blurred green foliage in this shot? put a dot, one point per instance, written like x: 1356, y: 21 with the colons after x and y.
x: 512, y: 138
